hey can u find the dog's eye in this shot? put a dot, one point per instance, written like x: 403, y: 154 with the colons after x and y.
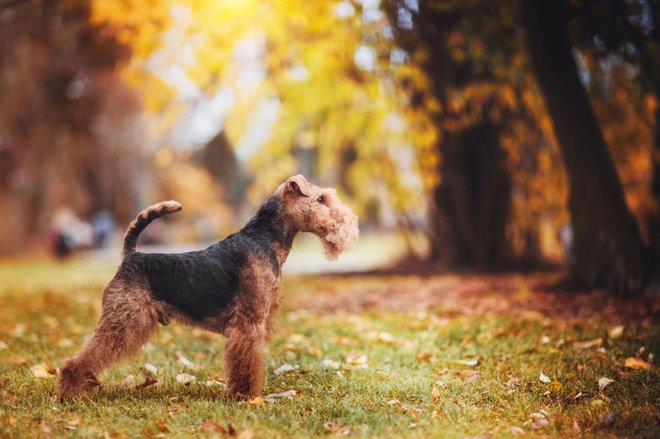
x: 320, y: 200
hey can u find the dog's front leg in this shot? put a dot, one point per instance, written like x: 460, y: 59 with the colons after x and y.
x: 245, y: 358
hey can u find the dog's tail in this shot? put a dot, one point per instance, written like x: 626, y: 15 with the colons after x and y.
x: 142, y: 220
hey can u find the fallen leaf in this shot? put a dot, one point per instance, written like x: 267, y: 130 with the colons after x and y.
x: 536, y: 425
x: 129, y: 381
x: 213, y: 426
x: 394, y: 402
x: 468, y: 375
x: 554, y: 386
x: 161, y: 425
x: 184, y: 361
x: 356, y: 359
x: 544, y: 378
x: 3, y: 346
x: 516, y: 430
x: 330, y: 364
x: 512, y: 382
x: 615, y: 332
x: 424, y: 357
x: 149, y: 370
x: 578, y: 396
x: 211, y: 383
x: 285, y: 368
x: 287, y: 394
x: 636, y: 363
x: 435, y: 393
x: 469, y: 362
x: 339, y: 430
x: 538, y: 420
x: 440, y: 383
x: 588, y: 344
x: 385, y: 337
x: 41, y: 370
x: 185, y: 378
x: 256, y: 401
x: 604, y: 382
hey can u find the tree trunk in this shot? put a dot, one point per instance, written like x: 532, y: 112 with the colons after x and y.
x: 470, y: 206
x: 654, y: 225
x: 607, y: 246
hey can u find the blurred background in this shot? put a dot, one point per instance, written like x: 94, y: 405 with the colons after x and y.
x: 466, y: 134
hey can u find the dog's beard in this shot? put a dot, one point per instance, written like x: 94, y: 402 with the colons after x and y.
x: 341, y: 237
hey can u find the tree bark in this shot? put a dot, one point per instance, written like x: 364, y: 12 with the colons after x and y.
x: 607, y: 247
x: 470, y: 206
x: 654, y: 224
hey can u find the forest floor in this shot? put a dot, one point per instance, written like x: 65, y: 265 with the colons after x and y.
x: 379, y: 355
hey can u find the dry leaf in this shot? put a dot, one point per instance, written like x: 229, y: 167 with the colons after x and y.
x: 516, y: 430
x: 554, y: 386
x: 544, y: 378
x: 615, y: 332
x: 149, y: 370
x: 339, y: 430
x: 330, y: 364
x: 424, y: 357
x: 42, y: 370
x: 129, y: 381
x: 598, y: 342
x: 256, y: 401
x: 435, y: 393
x: 185, y: 378
x: 604, y: 382
x: 211, y: 383
x: 161, y: 425
x: 357, y: 360
x: 213, y: 426
x: 285, y: 368
x: 385, y: 337
x: 540, y: 424
x: 184, y: 361
x: 468, y: 375
x: 636, y: 363
x: 469, y: 362
x: 287, y: 394
x: 394, y: 402
x: 3, y: 346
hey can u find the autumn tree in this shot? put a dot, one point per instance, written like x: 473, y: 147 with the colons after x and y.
x: 608, y: 248
x: 59, y: 98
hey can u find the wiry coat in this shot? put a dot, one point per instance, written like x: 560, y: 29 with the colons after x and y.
x: 232, y: 287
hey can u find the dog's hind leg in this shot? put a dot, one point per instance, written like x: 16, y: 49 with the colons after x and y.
x: 128, y: 319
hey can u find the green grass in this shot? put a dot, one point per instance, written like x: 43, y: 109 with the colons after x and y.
x: 412, y: 383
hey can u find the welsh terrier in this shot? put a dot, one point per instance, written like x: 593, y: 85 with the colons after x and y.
x: 233, y: 287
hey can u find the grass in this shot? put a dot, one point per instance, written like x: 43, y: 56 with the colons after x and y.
x: 368, y: 373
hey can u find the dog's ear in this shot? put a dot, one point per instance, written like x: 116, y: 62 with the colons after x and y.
x: 298, y: 185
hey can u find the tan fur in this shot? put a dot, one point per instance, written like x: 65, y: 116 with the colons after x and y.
x: 130, y: 314
x: 332, y: 221
x: 128, y: 319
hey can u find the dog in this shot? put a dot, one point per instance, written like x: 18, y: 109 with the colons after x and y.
x: 233, y: 287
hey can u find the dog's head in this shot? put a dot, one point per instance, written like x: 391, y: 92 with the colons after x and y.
x: 310, y: 208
